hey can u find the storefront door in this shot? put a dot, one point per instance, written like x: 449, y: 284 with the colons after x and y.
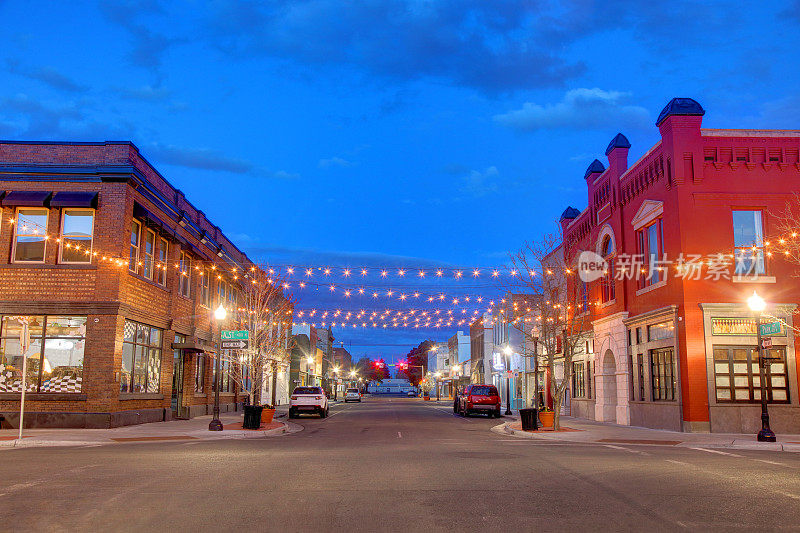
x: 178, y: 409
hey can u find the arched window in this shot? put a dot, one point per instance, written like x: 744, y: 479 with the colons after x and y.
x: 608, y: 282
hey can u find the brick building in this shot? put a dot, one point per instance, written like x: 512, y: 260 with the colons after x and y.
x: 117, y: 276
x: 673, y: 349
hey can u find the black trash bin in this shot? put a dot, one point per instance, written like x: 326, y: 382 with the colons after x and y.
x: 252, y: 416
x: 529, y: 419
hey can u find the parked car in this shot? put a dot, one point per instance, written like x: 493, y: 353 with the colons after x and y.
x: 411, y: 394
x: 352, y: 395
x: 308, y: 400
x: 478, y: 399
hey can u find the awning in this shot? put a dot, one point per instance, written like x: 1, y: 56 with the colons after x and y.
x: 74, y: 199
x: 26, y: 198
x: 147, y: 217
x: 191, y: 346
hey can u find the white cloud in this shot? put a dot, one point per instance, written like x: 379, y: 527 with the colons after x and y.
x: 335, y: 162
x: 579, y: 109
x: 478, y: 183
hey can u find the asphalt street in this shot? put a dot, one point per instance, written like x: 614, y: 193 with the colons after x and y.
x: 396, y: 464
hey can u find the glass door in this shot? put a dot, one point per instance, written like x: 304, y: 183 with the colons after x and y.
x: 178, y: 409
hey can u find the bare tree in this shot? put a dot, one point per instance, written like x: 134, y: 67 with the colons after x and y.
x: 786, y: 243
x: 264, y: 308
x: 556, y: 317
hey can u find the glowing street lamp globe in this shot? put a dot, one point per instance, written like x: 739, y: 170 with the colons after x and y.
x: 220, y: 313
x: 756, y: 303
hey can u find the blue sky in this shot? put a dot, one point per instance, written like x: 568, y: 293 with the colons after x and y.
x: 390, y: 132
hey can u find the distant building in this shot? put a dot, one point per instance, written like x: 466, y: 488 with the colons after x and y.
x: 391, y: 386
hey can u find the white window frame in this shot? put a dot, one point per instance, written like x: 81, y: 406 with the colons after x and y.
x: 161, y: 270
x: 205, y: 288
x: 185, y: 279
x: 150, y: 256
x: 133, y: 264
x: 17, y: 234
x: 61, y: 233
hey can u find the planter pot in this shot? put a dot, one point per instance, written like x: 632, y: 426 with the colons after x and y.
x: 266, y: 415
x: 252, y: 417
x: 426, y: 398
x: 546, y: 418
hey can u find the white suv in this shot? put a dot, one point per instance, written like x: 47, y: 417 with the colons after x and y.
x: 352, y: 395
x: 308, y: 400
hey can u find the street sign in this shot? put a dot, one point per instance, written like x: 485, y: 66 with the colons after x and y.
x: 766, y: 342
x: 235, y: 345
x: 234, y: 335
x: 770, y: 328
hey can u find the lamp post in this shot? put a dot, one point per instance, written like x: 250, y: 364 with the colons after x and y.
x: 507, y: 350
x: 335, y: 384
x: 757, y: 304
x: 215, y: 424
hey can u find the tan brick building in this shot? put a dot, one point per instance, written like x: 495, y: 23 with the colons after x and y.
x: 116, y: 275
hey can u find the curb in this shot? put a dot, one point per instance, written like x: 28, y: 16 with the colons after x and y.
x: 232, y: 434
x: 505, y: 429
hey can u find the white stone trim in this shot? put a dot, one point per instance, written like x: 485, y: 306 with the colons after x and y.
x: 652, y: 287
x: 648, y: 211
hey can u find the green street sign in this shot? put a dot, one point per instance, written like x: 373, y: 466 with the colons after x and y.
x: 770, y: 328
x: 234, y: 335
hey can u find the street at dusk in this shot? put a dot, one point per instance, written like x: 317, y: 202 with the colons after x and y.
x: 399, y: 265
x: 398, y: 464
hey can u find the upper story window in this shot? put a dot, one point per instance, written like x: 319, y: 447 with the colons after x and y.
x: 148, y: 252
x: 650, y: 241
x: 748, y: 242
x: 607, y: 282
x: 183, y: 283
x: 161, y: 261
x: 136, y: 240
x: 205, y: 288
x: 29, y: 238
x: 77, y: 228
x: 221, y: 295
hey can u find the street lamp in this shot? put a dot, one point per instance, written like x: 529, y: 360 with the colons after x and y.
x: 508, y: 351
x: 215, y: 425
x: 757, y: 304
x: 335, y: 384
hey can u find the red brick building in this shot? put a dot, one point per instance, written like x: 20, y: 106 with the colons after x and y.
x: 117, y: 276
x: 674, y: 344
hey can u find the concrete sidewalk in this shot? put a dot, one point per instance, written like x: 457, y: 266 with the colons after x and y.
x: 194, y: 429
x: 587, y: 431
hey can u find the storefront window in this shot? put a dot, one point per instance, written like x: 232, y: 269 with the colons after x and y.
x: 737, y: 377
x: 578, y: 381
x: 55, y: 353
x: 662, y: 374
x: 199, y: 373
x: 141, y: 358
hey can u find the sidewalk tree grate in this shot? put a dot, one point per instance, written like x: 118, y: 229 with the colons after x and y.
x: 642, y: 441
x: 144, y: 439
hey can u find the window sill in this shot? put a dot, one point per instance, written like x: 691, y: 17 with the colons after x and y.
x: 606, y: 304
x: 651, y: 287
x: 754, y: 279
x: 140, y: 396
x: 200, y: 395
x: 45, y: 396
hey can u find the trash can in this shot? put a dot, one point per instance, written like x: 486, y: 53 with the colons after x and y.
x: 252, y: 417
x: 529, y: 419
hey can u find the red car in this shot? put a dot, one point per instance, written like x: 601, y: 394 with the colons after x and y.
x: 478, y: 399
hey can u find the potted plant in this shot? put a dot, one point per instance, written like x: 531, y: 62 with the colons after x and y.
x: 546, y: 416
x: 267, y: 414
